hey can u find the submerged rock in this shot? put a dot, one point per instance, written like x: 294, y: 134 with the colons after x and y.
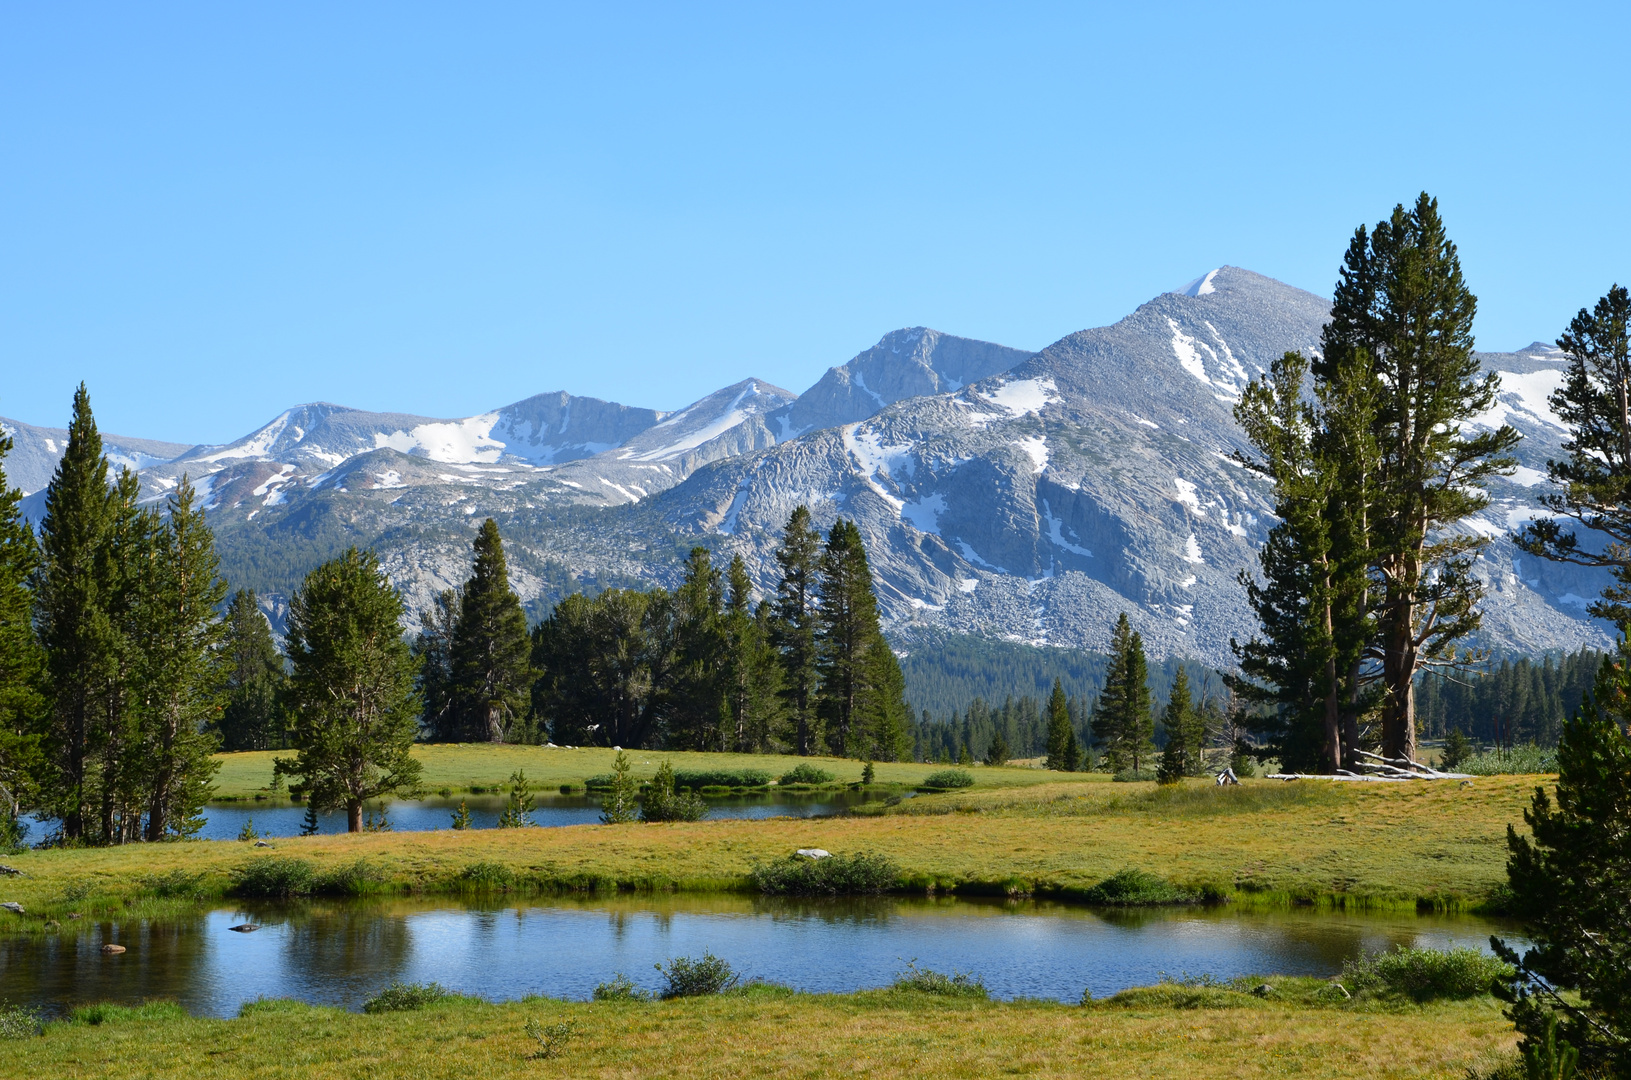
x: 244, y: 928
x: 112, y: 950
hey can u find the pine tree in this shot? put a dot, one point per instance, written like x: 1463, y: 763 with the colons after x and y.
x: 23, y: 700
x: 694, y: 709
x: 1122, y: 721
x: 797, y: 617
x: 845, y: 629
x: 176, y: 638
x: 996, y: 752
x: 1402, y: 312
x: 252, y: 716
x: 351, y: 688
x: 1304, y: 668
x: 619, y: 805
x: 308, y: 823
x: 78, y: 635
x: 433, y: 649
x: 1595, y: 404
x: 752, y: 673
x: 1571, y: 886
x: 1179, y: 722
x: 885, y: 715
x: 491, y: 656
x: 1064, y: 755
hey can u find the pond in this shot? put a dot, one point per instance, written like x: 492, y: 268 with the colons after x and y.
x: 344, y: 952
x: 225, y: 821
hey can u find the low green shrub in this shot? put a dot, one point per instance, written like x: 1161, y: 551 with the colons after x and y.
x: 662, y: 802
x: 552, y: 1038
x: 403, y: 997
x: 486, y: 876
x: 860, y: 874
x: 147, y: 1012
x: 599, y: 782
x: 960, y: 984
x: 728, y: 778
x: 1424, y: 974
x: 621, y: 988
x: 175, y: 884
x: 19, y: 1022
x: 697, y: 978
x: 356, y: 878
x: 806, y: 774
x: 947, y: 780
x: 1519, y: 759
x: 273, y: 877
x: 1136, y: 888
x: 1133, y: 776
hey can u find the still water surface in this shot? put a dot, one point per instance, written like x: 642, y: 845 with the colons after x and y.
x: 342, y: 953
x: 224, y: 821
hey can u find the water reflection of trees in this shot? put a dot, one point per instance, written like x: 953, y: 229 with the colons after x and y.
x: 337, y: 952
x: 58, y: 971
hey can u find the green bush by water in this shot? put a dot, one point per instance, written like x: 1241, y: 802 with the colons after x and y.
x: 402, y: 997
x: 806, y: 774
x: 696, y: 978
x: 729, y: 778
x: 860, y: 874
x: 275, y: 877
x: 621, y: 988
x: 1424, y: 974
x: 147, y: 1012
x: 947, y: 780
x: 177, y: 884
x: 18, y: 1022
x: 1136, y: 888
x: 960, y: 984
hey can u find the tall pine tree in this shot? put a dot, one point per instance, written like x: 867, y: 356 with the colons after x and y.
x: 694, y: 709
x: 1183, y: 747
x: 176, y: 636
x: 1595, y: 403
x: 351, y: 688
x: 846, y: 627
x: 1403, y: 314
x: 22, y: 664
x: 252, y: 715
x: 490, y: 655
x: 433, y: 649
x: 797, y: 618
x: 1064, y: 753
x: 752, y: 673
x: 1122, y: 720
x: 79, y: 637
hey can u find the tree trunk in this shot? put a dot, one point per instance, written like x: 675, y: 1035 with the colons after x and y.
x: 353, y: 815
x: 495, y: 724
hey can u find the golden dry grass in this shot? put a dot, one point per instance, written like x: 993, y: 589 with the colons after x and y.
x: 879, y: 1033
x: 1396, y: 843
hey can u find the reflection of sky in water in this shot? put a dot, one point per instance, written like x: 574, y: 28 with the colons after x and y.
x: 341, y: 954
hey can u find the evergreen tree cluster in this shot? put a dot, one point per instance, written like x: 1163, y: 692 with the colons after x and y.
x: 1511, y: 703
x: 111, y: 678
x: 1365, y: 581
x: 704, y: 667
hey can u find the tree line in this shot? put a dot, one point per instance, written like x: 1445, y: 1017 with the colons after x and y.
x: 1511, y: 703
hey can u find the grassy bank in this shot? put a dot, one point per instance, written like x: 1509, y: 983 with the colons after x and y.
x: 462, y: 768
x: 1167, y: 1031
x: 1265, y: 842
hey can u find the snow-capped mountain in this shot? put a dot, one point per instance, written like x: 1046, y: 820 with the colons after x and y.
x: 36, y: 451
x: 1030, y: 496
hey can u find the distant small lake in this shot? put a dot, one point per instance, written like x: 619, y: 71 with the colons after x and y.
x: 342, y: 953
x: 224, y: 821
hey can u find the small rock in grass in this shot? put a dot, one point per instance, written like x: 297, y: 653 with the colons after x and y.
x: 244, y: 928
x: 112, y: 950
x: 262, y: 843
x: 12, y: 905
x: 1263, y: 990
x: 75, y: 915
x: 10, y: 871
x: 814, y: 853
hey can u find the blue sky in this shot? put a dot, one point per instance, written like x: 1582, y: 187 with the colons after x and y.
x: 212, y: 212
